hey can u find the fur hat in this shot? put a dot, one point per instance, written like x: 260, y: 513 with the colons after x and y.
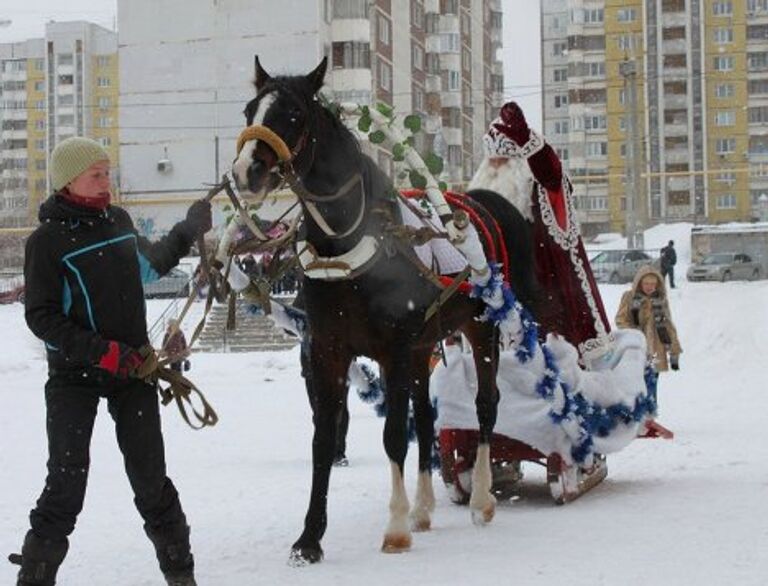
x: 73, y: 156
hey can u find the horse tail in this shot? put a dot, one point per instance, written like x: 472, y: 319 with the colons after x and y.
x: 518, y: 239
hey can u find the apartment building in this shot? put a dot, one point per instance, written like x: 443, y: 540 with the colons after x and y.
x: 62, y: 85
x: 702, y: 81
x: 187, y: 66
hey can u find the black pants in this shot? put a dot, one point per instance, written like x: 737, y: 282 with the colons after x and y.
x: 670, y: 272
x: 71, y: 402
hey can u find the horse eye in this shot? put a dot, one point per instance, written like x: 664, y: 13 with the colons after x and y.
x: 295, y: 115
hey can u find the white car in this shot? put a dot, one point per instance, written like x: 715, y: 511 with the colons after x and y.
x: 724, y: 266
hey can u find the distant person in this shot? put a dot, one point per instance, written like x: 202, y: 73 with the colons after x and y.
x: 175, y: 345
x: 83, y: 267
x: 645, y: 307
x: 668, y: 262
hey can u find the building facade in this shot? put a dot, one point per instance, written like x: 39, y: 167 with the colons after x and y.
x: 62, y: 85
x: 701, y: 84
x: 187, y: 67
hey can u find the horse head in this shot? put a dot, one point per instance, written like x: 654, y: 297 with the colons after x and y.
x: 279, y: 122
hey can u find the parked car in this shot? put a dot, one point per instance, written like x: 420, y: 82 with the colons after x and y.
x: 724, y: 266
x: 619, y: 266
x: 173, y: 284
x: 12, y: 295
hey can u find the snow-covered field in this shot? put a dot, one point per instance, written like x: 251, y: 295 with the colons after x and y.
x: 685, y: 512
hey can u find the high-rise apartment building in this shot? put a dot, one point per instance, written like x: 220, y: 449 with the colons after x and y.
x: 51, y: 88
x: 186, y: 69
x: 701, y: 79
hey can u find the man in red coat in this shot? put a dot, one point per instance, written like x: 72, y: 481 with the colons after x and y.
x: 523, y: 168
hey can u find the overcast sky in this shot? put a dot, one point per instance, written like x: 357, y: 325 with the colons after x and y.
x: 521, y: 53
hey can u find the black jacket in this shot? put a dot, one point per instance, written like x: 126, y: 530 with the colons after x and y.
x: 83, y: 273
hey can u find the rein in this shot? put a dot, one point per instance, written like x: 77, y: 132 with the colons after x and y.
x: 291, y: 178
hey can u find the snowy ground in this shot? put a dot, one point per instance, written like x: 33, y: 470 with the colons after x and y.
x: 685, y: 512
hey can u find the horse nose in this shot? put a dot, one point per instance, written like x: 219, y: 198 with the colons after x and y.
x: 255, y: 174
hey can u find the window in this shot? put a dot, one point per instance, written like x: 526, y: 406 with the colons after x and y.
x: 723, y: 35
x: 758, y: 114
x: 562, y: 153
x: 384, y: 25
x: 417, y: 56
x: 450, y: 43
x: 757, y: 61
x: 626, y: 15
x: 594, y: 122
x: 558, y: 49
x: 385, y: 76
x: 350, y: 9
x: 66, y: 100
x: 622, y: 96
x: 66, y: 119
x: 724, y: 146
x: 722, y: 8
x: 726, y: 201
x: 724, y: 90
x: 417, y: 14
x: 40, y: 105
x: 454, y: 81
x: 65, y: 59
x: 596, y: 69
x: 627, y: 42
x: 723, y: 63
x: 561, y: 127
x: 65, y: 80
x: 418, y: 99
x: 40, y: 144
x: 104, y: 102
x: 40, y: 124
x: 40, y: 164
x: 593, y: 15
x: 466, y: 60
x: 597, y: 149
x: 725, y: 118
x: 727, y: 177
x: 104, y: 122
x: 105, y: 141
x: 559, y: 75
x: 561, y: 100
x: 345, y: 55
x: 103, y: 60
x: 39, y: 86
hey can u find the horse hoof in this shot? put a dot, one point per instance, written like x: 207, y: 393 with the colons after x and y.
x: 304, y: 556
x: 483, y: 516
x: 420, y: 525
x: 396, y: 543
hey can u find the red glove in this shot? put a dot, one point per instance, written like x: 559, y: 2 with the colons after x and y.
x: 514, y: 124
x: 120, y: 360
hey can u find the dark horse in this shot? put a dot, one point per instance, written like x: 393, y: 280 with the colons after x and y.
x: 365, y: 294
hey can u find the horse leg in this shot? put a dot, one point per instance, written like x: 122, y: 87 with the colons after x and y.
x: 484, y: 340
x: 397, y: 375
x: 424, y: 504
x: 329, y: 386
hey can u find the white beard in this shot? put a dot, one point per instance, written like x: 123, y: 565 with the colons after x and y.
x: 512, y: 180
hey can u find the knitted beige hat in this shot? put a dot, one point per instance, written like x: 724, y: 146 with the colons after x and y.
x: 73, y: 156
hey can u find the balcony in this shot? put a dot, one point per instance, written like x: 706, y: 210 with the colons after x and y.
x: 675, y: 130
x: 674, y: 47
x: 676, y: 156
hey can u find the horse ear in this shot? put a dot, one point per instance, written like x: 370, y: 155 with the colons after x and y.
x: 318, y: 75
x: 262, y: 77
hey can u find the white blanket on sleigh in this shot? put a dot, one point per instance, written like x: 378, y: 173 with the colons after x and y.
x: 524, y: 414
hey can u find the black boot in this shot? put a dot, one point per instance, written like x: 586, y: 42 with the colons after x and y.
x: 39, y: 560
x: 174, y: 554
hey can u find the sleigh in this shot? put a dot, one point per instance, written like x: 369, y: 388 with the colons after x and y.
x: 457, y: 452
x: 524, y: 430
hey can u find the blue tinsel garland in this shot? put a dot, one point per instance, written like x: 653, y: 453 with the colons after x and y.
x: 567, y: 407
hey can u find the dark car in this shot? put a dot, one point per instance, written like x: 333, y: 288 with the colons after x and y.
x: 173, y: 284
x: 619, y: 266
